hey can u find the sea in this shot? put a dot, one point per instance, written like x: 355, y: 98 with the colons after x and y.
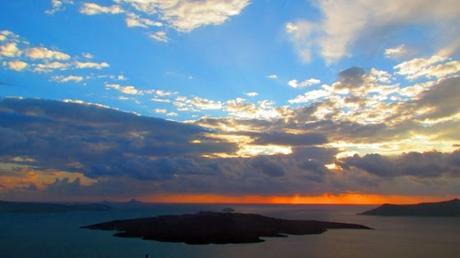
x: 58, y: 235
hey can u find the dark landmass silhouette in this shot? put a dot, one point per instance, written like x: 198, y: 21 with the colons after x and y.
x: 33, y: 207
x: 216, y: 228
x: 449, y: 208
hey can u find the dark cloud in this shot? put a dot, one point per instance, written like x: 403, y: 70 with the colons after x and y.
x: 350, y: 77
x: 443, y: 99
x: 425, y: 164
x: 291, y: 139
x: 121, y: 150
x: 129, y: 155
x: 99, y: 141
x: 267, y: 166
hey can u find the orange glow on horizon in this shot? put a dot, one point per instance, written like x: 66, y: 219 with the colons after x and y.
x: 326, y: 198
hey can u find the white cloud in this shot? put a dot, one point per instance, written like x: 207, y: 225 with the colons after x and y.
x: 93, y: 9
x: 9, y: 49
x: 58, y: 5
x: 196, y: 104
x: 91, y: 65
x: 66, y: 79
x: 163, y: 93
x: 4, y: 34
x: 161, y: 111
x: 133, y: 20
x: 299, y: 33
x: 16, y: 65
x: 434, y: 66
x: 161, y: 100
x: 88, y: 55
x: 241, y: 109
x: 159, y: 36
x: 303, y: 84
x: 187, y: 15
x: 180, y: 15
x: 345, y: 21
x: 172, y: 114
x: 128, y: 89
x: 381, y: 76
x: 45, y: 53
x: 396, y: 52
x: 252, y: 94
x: 51, y: 66
x: 310, y: 96
x: 18, y: 54
x: 165, y: 112
x: 272, y: 76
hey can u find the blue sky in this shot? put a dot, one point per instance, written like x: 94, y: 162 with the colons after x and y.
x: 366, y: 75
x: 216, y: 62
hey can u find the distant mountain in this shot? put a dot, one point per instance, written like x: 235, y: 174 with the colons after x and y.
x: 449, y: 208
x: 32, y: 207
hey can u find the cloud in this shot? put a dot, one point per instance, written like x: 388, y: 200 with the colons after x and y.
x: 101, y: 151
x: 44, y: 53
x: 268, y: 167
x: 21, y: 55
x: 58, y: 5
x: 441, y: 101
x: 91, y: 65
x: 196, y: 104
x: 16, y: 65
x: 161, y: 110
x: 88, y: 55
x: 299, y: 33
x: 159, y: 36
x: 186, y: 15
x: 426, y: 164
x: 93, y: 9
x: 165, y: 112
x: 50, y: 66
x: 87, y: 147
x: 310, y: 96
x: 263, y: 109
x: 252, y: 94
x: 163, y: 93
x: 9, y: 49
x: 291, y: 139
x: 434, y: 66
x: 133, y: 20
x: 68, y: 78
x: 396, y: 52
x: 181, y: 15
x: 272, y: 76
x: 161, y: 100
x: 303, y: 84
x: 128, y: 89
x: 343, y: 23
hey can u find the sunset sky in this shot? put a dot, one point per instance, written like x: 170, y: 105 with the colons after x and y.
x: 262, y: 101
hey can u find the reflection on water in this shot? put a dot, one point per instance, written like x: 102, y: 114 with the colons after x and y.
x: 59, y: 235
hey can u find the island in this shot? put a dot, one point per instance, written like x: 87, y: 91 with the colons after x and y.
x: 449, y: 208
x: 216, y: 228
x: 36, y: 207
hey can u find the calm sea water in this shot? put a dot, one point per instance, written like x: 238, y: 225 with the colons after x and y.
x: 60, y: 236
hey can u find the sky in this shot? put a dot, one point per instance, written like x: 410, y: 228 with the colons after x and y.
x: 230, y: 100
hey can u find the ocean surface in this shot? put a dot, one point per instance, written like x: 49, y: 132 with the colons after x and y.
x: 59, y: 235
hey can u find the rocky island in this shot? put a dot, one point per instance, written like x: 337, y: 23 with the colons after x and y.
x: 216, y: 228
x: 449, y: 208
